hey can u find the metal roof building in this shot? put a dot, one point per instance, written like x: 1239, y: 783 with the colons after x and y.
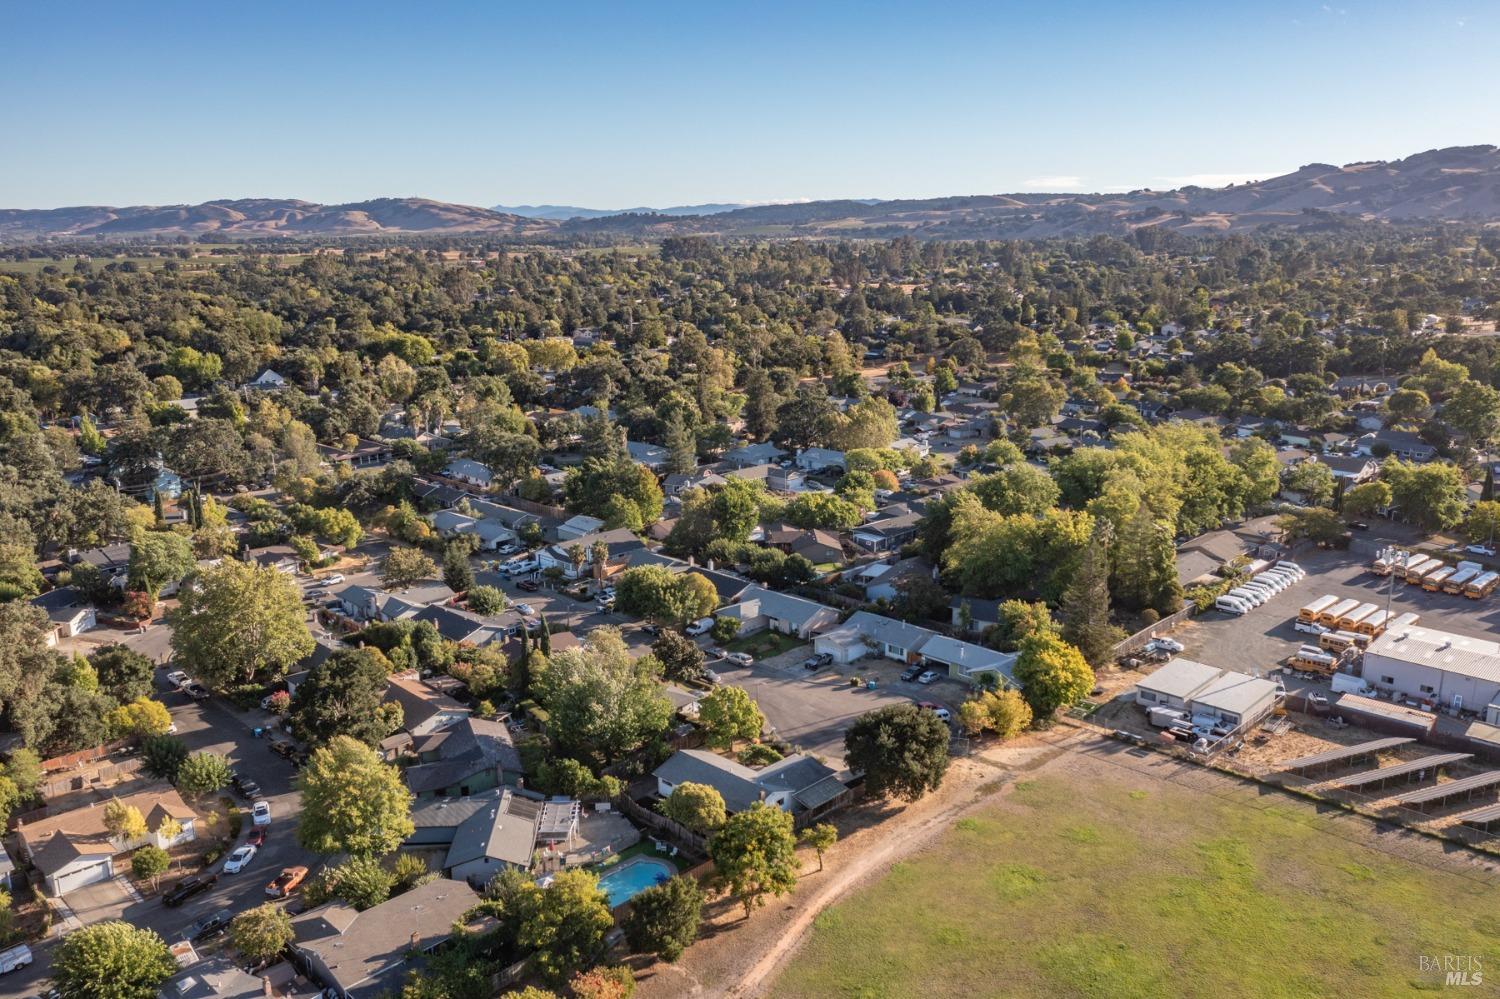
x: 1435, y: 666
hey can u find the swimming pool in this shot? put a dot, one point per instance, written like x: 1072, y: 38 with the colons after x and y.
x: 633, y: 877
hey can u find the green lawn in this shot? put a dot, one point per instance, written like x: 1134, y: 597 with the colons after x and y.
x: 1108, y: 890
x: 765, y: 644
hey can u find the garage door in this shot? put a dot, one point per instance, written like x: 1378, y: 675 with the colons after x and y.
x: 92, y: 874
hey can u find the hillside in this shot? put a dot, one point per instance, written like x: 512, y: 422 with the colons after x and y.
x: 1460, y: 183
x: 265, y: 217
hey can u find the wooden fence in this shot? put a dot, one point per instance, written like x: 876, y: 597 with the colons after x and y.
x: 1162, y: 627
x: 659, y: 823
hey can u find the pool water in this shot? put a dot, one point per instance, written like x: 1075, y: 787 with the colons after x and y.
x: 633, y: 877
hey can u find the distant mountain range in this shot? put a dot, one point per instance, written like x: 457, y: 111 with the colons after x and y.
x: 1459, y: 184
x: 562, y: 213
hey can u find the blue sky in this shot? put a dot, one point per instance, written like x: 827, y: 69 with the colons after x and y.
x: 623, y: 104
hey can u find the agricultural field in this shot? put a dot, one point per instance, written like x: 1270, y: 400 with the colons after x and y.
x: 1089, y: 879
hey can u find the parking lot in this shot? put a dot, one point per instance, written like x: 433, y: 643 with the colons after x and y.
x: 814, y: 710
x: 1259, y: 640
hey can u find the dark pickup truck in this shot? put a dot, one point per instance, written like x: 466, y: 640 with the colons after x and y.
x: 187, y: 888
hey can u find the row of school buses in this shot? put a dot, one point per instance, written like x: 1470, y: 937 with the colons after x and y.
x: 1341, y: 625
x: 1434, y: 575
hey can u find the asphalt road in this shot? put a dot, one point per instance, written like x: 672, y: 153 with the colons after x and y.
x: 210, y: 726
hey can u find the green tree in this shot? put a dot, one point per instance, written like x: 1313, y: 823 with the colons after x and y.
x: 457, y: 573
x: 666, y: 597
x: 820, y: 837
x: 1483, y: 522
x: 344, y: 695
x: 1407, y: 404
x: 1366, y: 498
x: 1145, y: 564
x: 697, y: 806
x: 487, y: 600
x: 352, y: 801
x: 902, y: 750
x: 603, y: 702
x: 262, y: 933
x: 755, y: 855
x: 239, y: 621
x: 566, y: 927
x: 1004, y: 712
x: 142, y: 716
x: 680, y: 656
x: 1431, y: 495
x: 123, y: 673
x: 162, y: 756
x: 363, y: 882
x: 124, y: 822
x: 1313, y: 479
x: 158, y: 558
x: 1052, y: 674
x: 1017, y: 488
x: 1257, y: 460
x: 811, y: 510
x: 681, y: 444
x: 149, y: 863
x: 405, y: 566
x: 728, y: 714
x: 112, y: 960
x: 202, y: 773
x: 664, y: 918
x: 1085, y: 603
x: 1474, y: 411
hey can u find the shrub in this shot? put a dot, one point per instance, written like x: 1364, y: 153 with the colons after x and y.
x: 1149, y: 616
x: 759, y: 755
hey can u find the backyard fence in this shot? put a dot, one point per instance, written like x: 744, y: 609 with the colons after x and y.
x: 673, y: 830
x: 1166, y: 624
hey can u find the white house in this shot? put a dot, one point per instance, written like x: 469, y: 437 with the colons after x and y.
x: 653, y: 456
x: 815, y: 459
x: 577, y: 527
x: 787, y: 784
x: 468, y: 470
x: 759, y: 608
x: 267, y: 380
x: 866, y: 634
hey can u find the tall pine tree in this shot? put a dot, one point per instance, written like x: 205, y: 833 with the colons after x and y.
x: 1145, y: 564
x: 1085, y: 603
x: 682, y: 444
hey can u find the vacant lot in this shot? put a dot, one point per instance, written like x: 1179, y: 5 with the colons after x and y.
x: 1106, y: 874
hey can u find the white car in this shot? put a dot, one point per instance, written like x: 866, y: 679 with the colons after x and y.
x: 1480, y: 550
x: 332, y: 579
x: 520, y: 567
x: 260, y: 813
x: 526, y: 610
x: 177, y: 678
x: 239, y: 860
x: 700, y: 627
x: 1165, y: 645
x: 927, y: 677
x: 1309, y: 627
x: 739, y: 658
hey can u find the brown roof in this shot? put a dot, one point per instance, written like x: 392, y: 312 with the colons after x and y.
x: 83, y: 828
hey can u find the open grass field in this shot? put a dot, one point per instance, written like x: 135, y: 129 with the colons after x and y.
x: 1086, y: 884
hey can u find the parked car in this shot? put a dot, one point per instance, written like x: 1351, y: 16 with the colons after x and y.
x: 709, y: 676
x: 911, y: 673
x: 509, y: 548
x: 196, y: 691
x: 1359, y: 525
x: 740, y: 658
x: 526, y: 610
x: 529, y: 585
x: 177, y: 678
x: 286, y: 882
x: 1480, y: 550
x: 520, y: 566
x: 937, y: 709
x: 652, y: 629
x: 239, y: 860
x: 213, y: 925
x: 928, y: 676
x: 14, y: 959
x: 818, y: 661
x: 702, y: 626
x: 1167, y: 644
x: 1309, y: 627
x: 260, y: 813
x: 257, y: 837
x: 332, y: 579
x: 187, y: 888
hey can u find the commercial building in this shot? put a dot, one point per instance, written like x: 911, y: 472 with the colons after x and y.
x: 1435, y: 667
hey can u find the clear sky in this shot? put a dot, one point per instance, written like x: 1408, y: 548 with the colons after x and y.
x: 620, y: 104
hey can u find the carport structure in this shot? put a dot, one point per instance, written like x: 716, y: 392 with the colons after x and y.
x: 1484, y: 819
x: 1446, y: 793
x: 1342, y: 756
x: 1411, y: 771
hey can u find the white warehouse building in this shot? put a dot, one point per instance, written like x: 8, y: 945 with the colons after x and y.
x: 1453, y: 671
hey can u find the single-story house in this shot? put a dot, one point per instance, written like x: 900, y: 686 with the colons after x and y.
x: 759, y: 608
x: 815, y: 459
x: 887, y: 585
x: 577, y: 527
x: 653, y: 456
x: 66, y: 609
x: 982, y: 613
x: 1354, y: 469
x: 74, y: 848
x: 267, y: 380
x: 468, y: 470
x: 755, y: 454
x: 1402, y: 444
x: 221, y: 978
x: 784, y: 784
x: 866, y: 634
x: 424, y: 710
x: 619, y: 541
x: 460, y: 626
x: 1174, y: 684
x: 359, y: 955
x: 677, y: 483
x: 893, y: 527
x: 967, y: 661
x: 467, y: 757
x: 491, y: 534
x: 364, y: 454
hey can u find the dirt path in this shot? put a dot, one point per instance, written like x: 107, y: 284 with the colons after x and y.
x: 738, y: 959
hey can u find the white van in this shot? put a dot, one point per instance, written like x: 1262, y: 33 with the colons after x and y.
x: 700, y: 627
x: 14, y: 959
x: 1249, y: 597
x: 1231, y: 605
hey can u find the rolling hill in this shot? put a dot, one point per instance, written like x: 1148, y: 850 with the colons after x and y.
x: 1458, y: 184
